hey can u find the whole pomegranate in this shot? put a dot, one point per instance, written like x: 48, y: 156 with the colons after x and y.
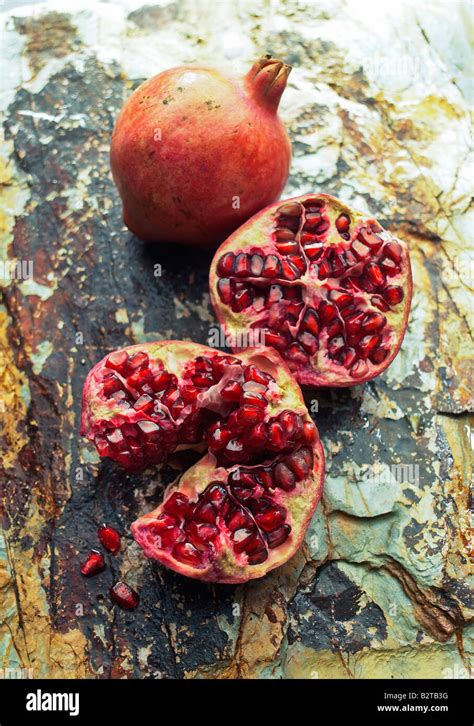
x: 315, y: 279
x: 194, y: 153
x: 243, y: 508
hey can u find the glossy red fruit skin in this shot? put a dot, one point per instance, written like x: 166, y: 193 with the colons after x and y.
x: 259, y: 232
x: 189, y: 140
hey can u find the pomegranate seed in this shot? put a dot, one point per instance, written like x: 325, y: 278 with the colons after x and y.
x: 256, y: 265
x: 111, y: 384
x: 389, y: 266
x: 379, y: 355
x: 308, y: 342
x: 258, y: 556
x: 189, y: 393
x: 218, y: 438
x: 359, y: 249
x: 188, y: 554
x: 118, y: 361
x: 309, y: 430
x: 216, y: 493
x: 327, y: 312
x: 138, y: 360
x: 354, y: 323
x: 271, y: 267
x: 242, y: 299
x: 311, y: 321
x: 117, y: 439
x: 275, y: 436
x: 225, y: 290
x: 109, y: 538
x: 375, y: 274
x: 94, y: 564
x: 275, y: 340
x: 278, y: 536
x: 314, y: 250
x: 289, y: 247
x: 205, y: 512
x: 144, y: 403
x: 340, y: 298
x: 379, y: 303
x: 283, y: 234
x: 200, y: 535
x: 165, y: 528
x: 290, y: 209
x: 370, y: 240
x: 254, y: 399
x: 242, y: 265
x: 248, y: 415
x: 271, y: 519
x: 138, y: 379
x: 349, y: 357
x: 265, y: 477
x: 373, y: 322
x: 225, y: 266
x: 161, y: 381
x: 324, y: 269
x: 102, y: 445
x: 242, y: 539
x: 124, y: 596
x: 288, y: 222
x: 289, y: 271
x: 296, y: 354
x: 335, y: 328
x: 313, y: 219
x: 300, y: 463
x: 393, y: 250
x: 177, y: 504
x: 149, y: 429
x: 232, y: 391
x: 339, y: 264
x: 238, y: 520
x: 368, y: 344
x: 257, y: 436
x: 284, y: 477
x: 360, y: 369
x: 393, y: 294
x: 343, y: 223
x: 203, y: 365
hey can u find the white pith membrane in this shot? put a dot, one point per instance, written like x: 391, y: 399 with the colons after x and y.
x: 244, y: 507
x: 321, y: 283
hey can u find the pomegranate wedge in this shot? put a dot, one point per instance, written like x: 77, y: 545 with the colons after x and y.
x: 319, y: 282
x: 243, y: 508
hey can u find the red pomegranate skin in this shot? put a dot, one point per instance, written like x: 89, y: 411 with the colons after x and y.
x: 195, y: 153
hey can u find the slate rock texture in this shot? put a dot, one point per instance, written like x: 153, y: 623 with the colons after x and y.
x: 383, y: 586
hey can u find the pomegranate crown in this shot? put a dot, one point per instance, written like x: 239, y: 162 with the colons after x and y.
x: 266, y: 81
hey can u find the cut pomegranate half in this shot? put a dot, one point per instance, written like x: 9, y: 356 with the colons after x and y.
x: 244, y: 507
x: 324, y: 285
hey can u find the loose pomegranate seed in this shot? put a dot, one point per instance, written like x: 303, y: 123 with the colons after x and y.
x: 94, y: 564
x: 124, y: 596
x: 109, y: 538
